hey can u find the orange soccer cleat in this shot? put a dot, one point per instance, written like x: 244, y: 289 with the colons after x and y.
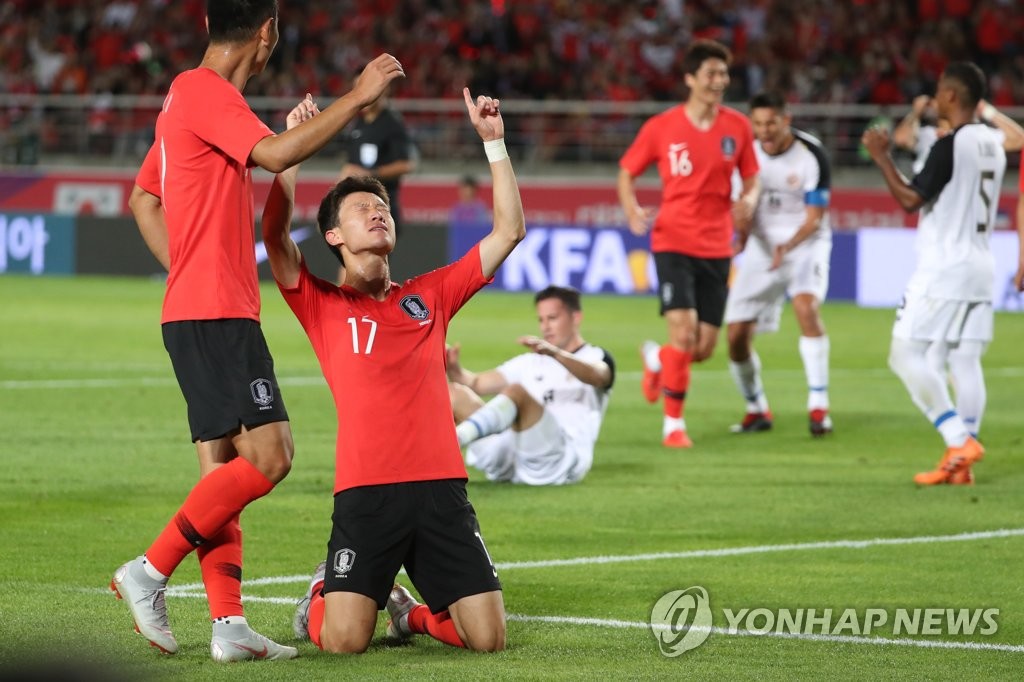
x: 677, y: 439
x: 955, y: 465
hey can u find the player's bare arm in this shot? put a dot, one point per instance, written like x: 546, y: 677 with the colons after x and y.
x: 509, y: 222
x: 597, y: 374
x: 876, y: 141
x: 282, y: 251
x: 905, y: 133
x: 275, y: 153
x: 638, y: 217
x: 1013, y: 133
x: 149, y: 216
x: 811, y: 224
x: 490, y: 382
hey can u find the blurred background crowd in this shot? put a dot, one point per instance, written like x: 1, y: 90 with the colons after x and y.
x: 817, y: 51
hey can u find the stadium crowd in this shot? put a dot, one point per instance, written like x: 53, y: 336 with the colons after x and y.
x: 842, y: 51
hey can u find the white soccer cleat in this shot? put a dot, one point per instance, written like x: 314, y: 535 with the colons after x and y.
x: 252, y: 646
x: 400, y: 603
x: 300, y: 621
x: 148, y: 606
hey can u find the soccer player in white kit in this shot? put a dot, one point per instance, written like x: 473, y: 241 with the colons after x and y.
x: 787, y: 253
x: 541, y: 425
x: 949, y: 296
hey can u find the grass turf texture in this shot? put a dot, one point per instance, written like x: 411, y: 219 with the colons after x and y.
x: 97, y: 458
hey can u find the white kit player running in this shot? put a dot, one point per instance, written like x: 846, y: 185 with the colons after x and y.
x: 787, y: 253
x: 949, y: 296
x: 542, y: 424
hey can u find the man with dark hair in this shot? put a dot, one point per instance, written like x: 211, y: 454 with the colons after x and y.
x: 787, y: 255
x: 696, y: 145
x: 194, y: 206
x: 948, y: 300
x: 400, y: 483
x: 541, y: 426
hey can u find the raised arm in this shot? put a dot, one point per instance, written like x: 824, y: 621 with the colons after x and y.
x: 275, y: 153
x: 597, y: 374
x: 509, y: 222
x: 876, y: 141
x: 149, y: 216
x: 1013, y: 133
x: 282, y: 251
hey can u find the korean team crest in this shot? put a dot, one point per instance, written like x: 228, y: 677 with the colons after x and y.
x: 262, y: 392
x: 728, y: 146
x: 343, y: 561
x: 414, y: 307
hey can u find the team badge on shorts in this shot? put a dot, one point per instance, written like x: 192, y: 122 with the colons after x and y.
x: 414, y: 307
x: 667, y: 292
x: 343, y: 562
x: 262, y: 393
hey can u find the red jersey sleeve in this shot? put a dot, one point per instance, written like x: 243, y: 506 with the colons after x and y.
x: 224, y: 119
x: 746, y: 162
x: 149, y: 173
x: 458, y: 282
x: 305, y: 298
x: 640, y: 154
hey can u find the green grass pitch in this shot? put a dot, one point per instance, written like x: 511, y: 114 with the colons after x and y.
x: 96, y: 458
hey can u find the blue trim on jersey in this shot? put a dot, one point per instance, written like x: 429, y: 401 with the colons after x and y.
x: 944, y: 417
x: 817, y: 197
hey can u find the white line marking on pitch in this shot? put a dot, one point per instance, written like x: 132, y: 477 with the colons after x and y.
x: 35, y: 384
x: 178, y: 590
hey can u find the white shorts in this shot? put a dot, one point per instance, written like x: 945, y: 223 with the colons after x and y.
x: 544, y: 454
x: 758, y: 292
x: 920, y: 318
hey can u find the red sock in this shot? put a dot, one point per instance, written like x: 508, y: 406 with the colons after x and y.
x: 213, y: 502
x: 675, y: 379
x: 220, y: 560
x: 440, y: 626
x: 316, y: 616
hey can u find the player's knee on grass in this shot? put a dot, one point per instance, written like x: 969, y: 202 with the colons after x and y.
x: 345, y: 637
x: 480, y: 621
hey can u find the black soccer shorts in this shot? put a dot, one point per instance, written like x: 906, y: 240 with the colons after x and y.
x: 686, y: 282
x: 429, y: 526
x: 226, y: 374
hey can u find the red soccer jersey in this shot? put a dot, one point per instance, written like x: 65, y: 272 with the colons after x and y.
x: 696, y: 178
x: 384, y: 363
x: 199, y: 167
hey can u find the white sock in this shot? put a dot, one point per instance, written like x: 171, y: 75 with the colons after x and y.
x: 908, y: 359
x: 231, y: 627
x: 496, y: 416
x: 652, y: 356
x: 747, y: 376
x: 814, y: 352
x: 152, y: 572
x: 672, y: 424
x: 969, y: 383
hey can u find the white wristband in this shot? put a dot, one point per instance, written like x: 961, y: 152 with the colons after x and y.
x: 988, y: 112
x: 495, y: 150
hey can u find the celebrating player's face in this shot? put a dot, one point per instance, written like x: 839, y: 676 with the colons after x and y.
x: 710, y: 81
x: 771, y: 128
x: 366, y: 224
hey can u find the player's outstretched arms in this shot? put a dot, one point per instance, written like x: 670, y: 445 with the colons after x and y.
x: 509, y: 222
x: 597, y: 374
x: 275, y: 153
x: 482, y: 383
x: 1013, y: 133
x: 282, y: 251
x: 149, y: 216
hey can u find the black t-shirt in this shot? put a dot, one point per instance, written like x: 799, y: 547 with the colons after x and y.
x: 377, y: 143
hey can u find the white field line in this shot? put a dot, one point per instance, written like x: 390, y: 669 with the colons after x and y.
x: 195, y: 590
x: 38, y: 384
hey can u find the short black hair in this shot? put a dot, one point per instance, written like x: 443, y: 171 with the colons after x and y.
x: 768, y: 99
x: 702, y: 50
x: 468, y: 180
x: 327, y: 216
x: 236, y: 21
x: 567, y: 295
x: 970, y: 79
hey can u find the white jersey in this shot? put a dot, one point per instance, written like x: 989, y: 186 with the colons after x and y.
x: 926, y: 137
x: 960, y: 184
x: 578, y: 407
x: 791, y: 181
